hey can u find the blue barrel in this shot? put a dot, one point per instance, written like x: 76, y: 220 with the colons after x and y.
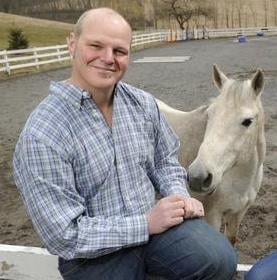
x: 242, y: 39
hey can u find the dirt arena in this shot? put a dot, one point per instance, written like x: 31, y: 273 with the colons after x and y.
x: 182, y: 85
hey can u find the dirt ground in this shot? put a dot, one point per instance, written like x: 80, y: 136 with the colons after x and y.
x: 182, y: 85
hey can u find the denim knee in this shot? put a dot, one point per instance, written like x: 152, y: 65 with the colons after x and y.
x: 219, y: 255
x: 224, y: 263
x: 192, y: 250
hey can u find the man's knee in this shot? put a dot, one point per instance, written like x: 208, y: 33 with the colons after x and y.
x: 224, y: 263
x: 220, y: 253
x: 194, y: 249
x: 216, y: 257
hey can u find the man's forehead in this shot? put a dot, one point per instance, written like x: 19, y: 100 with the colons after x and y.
x: 109, y: 16
x: 98, y: 30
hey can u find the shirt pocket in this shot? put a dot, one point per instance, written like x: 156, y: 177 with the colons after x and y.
x: 145, y: 143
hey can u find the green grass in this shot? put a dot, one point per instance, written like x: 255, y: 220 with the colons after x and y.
x: 38, y: 32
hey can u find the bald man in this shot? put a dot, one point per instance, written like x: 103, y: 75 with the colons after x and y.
x: 89, y: 162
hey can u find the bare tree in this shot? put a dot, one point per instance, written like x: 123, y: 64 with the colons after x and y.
x: 215, y: 14
x: 149, y: 12
x: 6, y: 5
x: 274, y: 5
x: 184, y: 10
x: 240, y: 5
x: 265, y: 3
x: 253, y: 11
x: 226, y: 13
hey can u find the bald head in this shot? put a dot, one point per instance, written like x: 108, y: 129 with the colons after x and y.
x: 96, y: 15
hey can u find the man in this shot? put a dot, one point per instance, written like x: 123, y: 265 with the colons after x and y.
x: 89, y: 162
x: 264, y: 269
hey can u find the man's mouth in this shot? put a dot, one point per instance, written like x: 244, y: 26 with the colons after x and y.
x: 103, y: 68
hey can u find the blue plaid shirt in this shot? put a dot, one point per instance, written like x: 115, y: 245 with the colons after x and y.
x: 87, y: 187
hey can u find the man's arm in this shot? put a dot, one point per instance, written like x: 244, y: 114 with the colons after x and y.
x: 45, y: 179
x: 170, y: 178
x: 168, y: 175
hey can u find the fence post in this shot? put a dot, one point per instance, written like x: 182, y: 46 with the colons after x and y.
x: 36, y: 58
x: 58, y: 53
x: 7, y: 62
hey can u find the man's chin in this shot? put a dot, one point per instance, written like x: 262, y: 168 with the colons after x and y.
x: 104, y: 83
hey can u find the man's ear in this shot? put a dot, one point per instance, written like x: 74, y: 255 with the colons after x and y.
x: 71, y: 43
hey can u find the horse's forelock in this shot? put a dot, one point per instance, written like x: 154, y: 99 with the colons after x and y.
x: 237, y: 91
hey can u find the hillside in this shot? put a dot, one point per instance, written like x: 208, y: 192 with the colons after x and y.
x: 39, y: 32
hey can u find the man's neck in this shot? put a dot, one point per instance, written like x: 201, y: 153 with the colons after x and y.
x: 103, y: 98
x: 104, y: 101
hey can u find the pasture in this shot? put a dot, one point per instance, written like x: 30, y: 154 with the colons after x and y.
x: 39, y: 32
x: 183, y: 85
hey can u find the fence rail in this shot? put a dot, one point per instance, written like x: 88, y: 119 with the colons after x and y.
x: 25, y: 263
x: 34, y: 57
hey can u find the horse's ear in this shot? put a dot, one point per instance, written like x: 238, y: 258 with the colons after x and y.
x: 257, y: 81
x: 219, y: 77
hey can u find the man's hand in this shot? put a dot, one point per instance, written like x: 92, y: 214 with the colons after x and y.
x: 193, y: 208
x: 171, y: 211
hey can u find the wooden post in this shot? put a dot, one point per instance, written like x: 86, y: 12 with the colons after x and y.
x: 8, y: 69
x: 36, y: 58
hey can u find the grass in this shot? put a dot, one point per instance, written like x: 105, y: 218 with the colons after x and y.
x: 38, y: 32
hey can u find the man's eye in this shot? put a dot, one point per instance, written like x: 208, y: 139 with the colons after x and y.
x: 95, y: 46
x: 120, y: 52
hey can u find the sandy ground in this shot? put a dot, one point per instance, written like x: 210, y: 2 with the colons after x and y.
x: 182, y: 85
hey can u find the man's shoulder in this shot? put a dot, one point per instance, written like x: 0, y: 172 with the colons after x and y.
x: 48, y: 119
x: 138, y: 97
x: 134, y: 91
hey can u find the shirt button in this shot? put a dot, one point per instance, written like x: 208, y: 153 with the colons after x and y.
x: 127, y: 199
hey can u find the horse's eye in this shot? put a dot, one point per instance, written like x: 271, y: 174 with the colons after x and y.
x: 247, y: 122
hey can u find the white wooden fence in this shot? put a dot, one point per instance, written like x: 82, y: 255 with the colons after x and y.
x: 250, y: 31
x: 26, y: 263
x: 34, y: 57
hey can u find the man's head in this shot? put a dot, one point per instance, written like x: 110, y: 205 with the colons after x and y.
x: 100, y: 47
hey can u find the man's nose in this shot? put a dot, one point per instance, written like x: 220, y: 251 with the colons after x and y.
x: 107, y: 56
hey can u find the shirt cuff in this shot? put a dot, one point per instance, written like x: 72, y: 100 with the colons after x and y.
x: 137, y: 230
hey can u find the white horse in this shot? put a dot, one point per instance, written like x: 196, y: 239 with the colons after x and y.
x: 190, y: 128
x: 227, y: 172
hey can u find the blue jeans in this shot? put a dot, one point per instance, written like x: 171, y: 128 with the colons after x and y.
x: 192, y: 250
x: 264, y: 269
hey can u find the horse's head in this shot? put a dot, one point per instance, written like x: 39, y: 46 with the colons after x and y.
x: 234, y: 120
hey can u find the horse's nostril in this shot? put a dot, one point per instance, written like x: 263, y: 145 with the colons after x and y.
x: 208, y: 180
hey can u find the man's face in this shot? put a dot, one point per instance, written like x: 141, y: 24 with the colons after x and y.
x: 100, y: 53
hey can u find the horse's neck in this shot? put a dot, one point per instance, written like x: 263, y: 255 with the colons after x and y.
x: 190, y: 128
